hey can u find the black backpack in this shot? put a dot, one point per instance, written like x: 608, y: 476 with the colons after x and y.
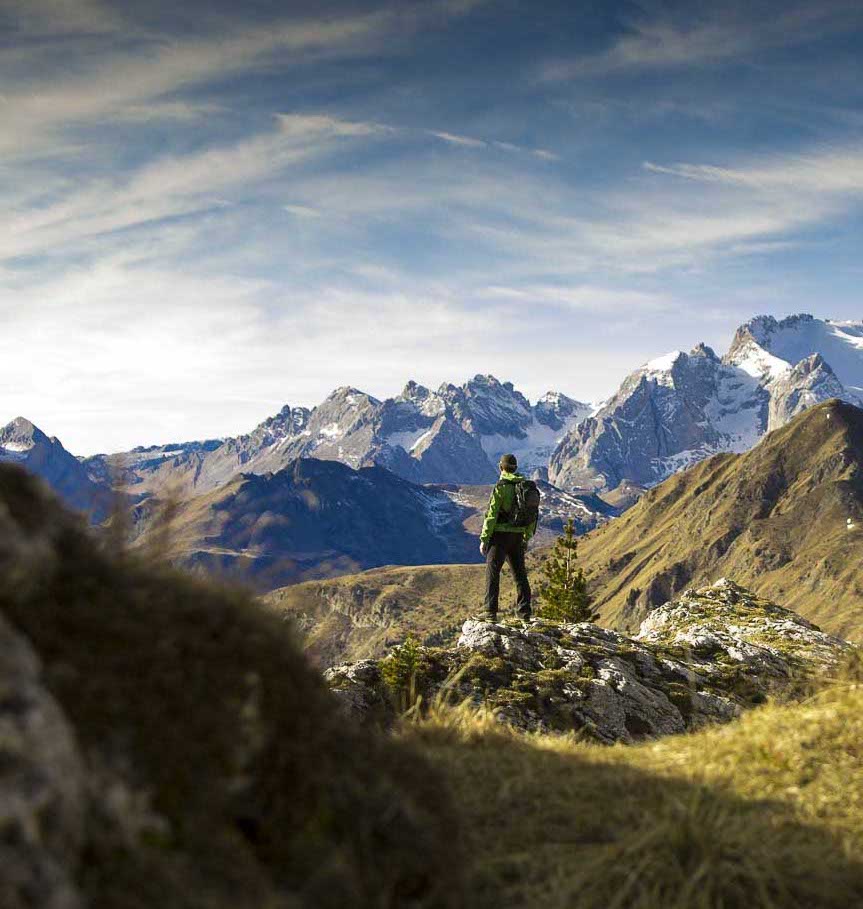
x: 525, y: 504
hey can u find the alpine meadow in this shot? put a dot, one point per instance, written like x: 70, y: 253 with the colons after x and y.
x: 431, y: 474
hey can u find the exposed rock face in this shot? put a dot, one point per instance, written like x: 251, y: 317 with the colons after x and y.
x: 42, y: 787
x: 700, y: 659
x: 726, y: 623
x: 670, y: 413
x: 681, y: 408
x: 810, y: 382
x: 359, y: 687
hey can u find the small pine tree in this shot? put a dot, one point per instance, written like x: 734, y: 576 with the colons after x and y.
x: 402, y: 671
x: 563, y: 592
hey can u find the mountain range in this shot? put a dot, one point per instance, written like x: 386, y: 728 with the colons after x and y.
x: 593, y: 461
x: 453, y: 435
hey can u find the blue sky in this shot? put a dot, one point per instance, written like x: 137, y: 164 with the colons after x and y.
x: 217, y: 209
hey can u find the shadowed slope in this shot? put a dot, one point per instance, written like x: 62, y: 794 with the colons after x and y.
x: 313, y: 519
x: 763, y: 813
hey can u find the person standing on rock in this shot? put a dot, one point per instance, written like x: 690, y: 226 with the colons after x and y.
x: 510, y: 522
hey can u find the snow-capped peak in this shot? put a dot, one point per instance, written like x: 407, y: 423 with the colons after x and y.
x: 769, y: 348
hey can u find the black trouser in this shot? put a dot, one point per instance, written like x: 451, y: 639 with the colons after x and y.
x: 507, y: 547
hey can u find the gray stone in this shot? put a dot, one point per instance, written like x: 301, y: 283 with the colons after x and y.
x: 42, y: 787
x: 698, y: 660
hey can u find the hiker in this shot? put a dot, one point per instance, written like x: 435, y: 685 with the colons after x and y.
x: 513, y: 511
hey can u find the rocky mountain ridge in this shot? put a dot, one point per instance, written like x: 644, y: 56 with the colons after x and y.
x: 678, y: 409
x: 700, y: 659
x: 453, y: 435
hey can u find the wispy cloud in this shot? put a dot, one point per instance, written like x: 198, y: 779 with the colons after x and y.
x: 465, y: 141
x: 473, y: 142
x: 583, y: 297
x: 826, y: 170
x: 173, y: 186
x: 132, y: 79
x: 302, y: 211
x: 181, y: 111
x: 692, y: 38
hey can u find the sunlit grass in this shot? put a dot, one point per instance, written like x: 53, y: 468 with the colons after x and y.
x: 764, y: 812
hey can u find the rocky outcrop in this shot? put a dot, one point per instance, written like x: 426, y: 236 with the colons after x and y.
x: 700, y: 659
x: 42, y: 787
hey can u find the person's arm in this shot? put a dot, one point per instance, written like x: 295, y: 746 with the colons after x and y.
x: 529, y: 531
x: 491, y: 514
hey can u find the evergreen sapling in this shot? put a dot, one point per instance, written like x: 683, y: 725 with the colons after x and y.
x: 563, y: 591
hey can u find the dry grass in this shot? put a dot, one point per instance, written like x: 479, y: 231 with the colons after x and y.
x: 362, y: 616
x: 764, y: 812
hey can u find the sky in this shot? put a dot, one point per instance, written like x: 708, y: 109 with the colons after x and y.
x: 212, y: 209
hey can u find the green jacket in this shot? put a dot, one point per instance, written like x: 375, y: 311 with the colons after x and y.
x: 502, y: 499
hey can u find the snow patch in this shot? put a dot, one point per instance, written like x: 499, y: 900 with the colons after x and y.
x: 408, y: 440
x: 663, y: 363
x: 736, y: 410
x: 331, y: 431
x: 758, y: 363
x: 532, y: 451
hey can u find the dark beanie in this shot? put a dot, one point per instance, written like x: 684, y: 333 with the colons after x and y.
x: 508, y: 463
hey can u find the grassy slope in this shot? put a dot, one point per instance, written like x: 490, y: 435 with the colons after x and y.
x: 773, y: 519
x: 764, y: 812
x: 198, y: 698
x: 362, y: 615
